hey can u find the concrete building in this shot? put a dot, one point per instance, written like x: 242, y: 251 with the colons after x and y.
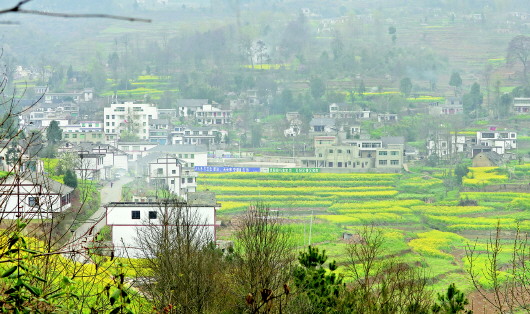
x: 159, y: 131
x: 129, y: 118
x: 84, y: 132
x: 113, y: 158
x: 451, y: 106
x: 346, y: 111
x: 213, y: 115
x: 129, y: 219
x: 195, y: 135
x: 166, y: 173
x: 135, y: 150
x: 189, y: 155
x: 86, y: 95
x: 355, y: 155
x: 447, y: 145
x: 90, y: 166
x: 499, y: 141
x: 521, y: 105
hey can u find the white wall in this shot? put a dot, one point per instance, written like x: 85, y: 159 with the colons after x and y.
x: 125, y: 229
x: 17, y: 201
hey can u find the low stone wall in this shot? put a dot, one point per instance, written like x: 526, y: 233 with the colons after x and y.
x: 521, y: 188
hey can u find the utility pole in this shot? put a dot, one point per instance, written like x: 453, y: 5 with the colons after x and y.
x: 310, y: 227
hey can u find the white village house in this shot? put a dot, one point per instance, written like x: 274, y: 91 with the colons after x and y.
x: 33, y: 196
x: 128, y: 219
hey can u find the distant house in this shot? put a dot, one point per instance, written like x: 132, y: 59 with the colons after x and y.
x: 190, y: 155
x: 33, y: 196
x: 167, y: 173
x: 387, y: 117
x: 84, y: 132
x: 159, y: 130
x: 451, y: 106
x: 201, y: 135
x: 322, y: 125
x: 355, y: 155
x: 499, y: 141
x: 136, y: 150
x: 85, y: 95
x: 487, y: 159
x: 346, y: 111
x: 521, y: 105
x: 188, y: 107
x: 113, y: 158
x: 90, y: 166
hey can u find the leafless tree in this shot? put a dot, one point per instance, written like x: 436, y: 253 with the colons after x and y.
x: 181, y: 267
x: 383, y: 284
x: 505, y: 285
x: 19, y: 9
x: 263, y: 260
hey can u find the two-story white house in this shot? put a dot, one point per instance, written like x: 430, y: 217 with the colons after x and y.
x: 195, y: 135
x: 521, y: 105
x: 136, y: 150
x: 189, y: 155
x: 90, y: 166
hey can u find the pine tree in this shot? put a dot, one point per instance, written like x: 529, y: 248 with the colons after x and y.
x: 70, y: 179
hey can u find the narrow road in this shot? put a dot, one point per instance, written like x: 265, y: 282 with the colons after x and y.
x: 82, y: 236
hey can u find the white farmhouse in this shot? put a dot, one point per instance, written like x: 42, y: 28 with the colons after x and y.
x: 129, y: 219
x: 33, y: 196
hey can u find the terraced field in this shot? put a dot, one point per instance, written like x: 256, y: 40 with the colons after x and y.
x: 423, y: 223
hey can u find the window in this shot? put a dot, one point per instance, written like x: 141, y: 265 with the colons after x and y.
x: 192, y: 156
x: 107, y: 117
x: 394, y: 153
x: 113, y: 117
x: 108, y: 124
x: 192, y: 164
x: 173, y: 181
x: 339, y: 164
x: 383, y: 153
x: 339, y: 151
x: 183, y: 180
x: 174, y: 171
x: 394, y: 162
x: 185, y: 155
x: 74, y: 135
x: 135, y: 214
x: 66, y: 135
x: 33, y: 201
x: 190, y: 180
x: 152, y: 214
x: 348, y: 151
x: 331, y: 151
x: 382, y: 162
x: 330, y: 164
x: 160, y: 171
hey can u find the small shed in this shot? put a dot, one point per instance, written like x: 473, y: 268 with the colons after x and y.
x: 487, y: 159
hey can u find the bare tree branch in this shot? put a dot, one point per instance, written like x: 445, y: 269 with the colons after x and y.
x: 18, y: 9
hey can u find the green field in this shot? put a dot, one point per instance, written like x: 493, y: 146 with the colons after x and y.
x: 423, y: 223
